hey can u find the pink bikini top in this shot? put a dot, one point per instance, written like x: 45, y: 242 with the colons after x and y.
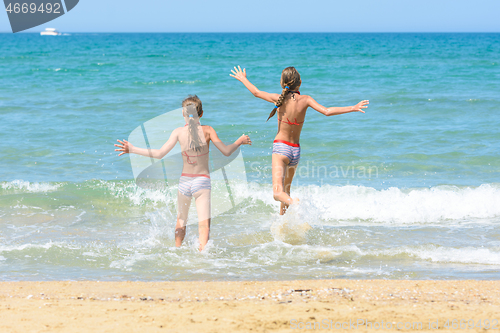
x: 188, y: 157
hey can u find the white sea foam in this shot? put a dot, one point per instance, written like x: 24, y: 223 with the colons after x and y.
x: 466, y: 255
x: 136, y: 194
x: 275, y: 252
x: 162, y: 227
x: 292, y: 227
x: 392, y: 205
x: 29, y: 186
x: 48, y: 245
x: 359, y: 203
x: 434, y: 253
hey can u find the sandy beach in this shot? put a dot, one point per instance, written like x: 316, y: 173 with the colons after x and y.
x: 246, y: 306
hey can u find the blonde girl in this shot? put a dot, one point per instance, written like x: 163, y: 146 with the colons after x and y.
x: 195, y: 178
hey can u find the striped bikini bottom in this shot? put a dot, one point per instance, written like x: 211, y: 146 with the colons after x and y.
x: 288, y: 149
x: 192, y: 183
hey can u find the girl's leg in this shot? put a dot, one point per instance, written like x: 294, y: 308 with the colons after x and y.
x: 203, y: 208
x: 289, y: 173
x: 183, y: 203
x: 280, y: 164
x: 204, y: 231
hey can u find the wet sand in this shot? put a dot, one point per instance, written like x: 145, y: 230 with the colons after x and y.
x: 271, y: 306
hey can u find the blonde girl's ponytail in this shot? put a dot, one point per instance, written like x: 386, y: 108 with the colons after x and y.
x: 195, y: 141
x: 194, y: 110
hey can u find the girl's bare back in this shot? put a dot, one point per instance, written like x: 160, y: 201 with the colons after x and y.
x: 195, y: 154
x: 291, y: 117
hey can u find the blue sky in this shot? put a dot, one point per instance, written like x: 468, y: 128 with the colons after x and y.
x: 277, y: 16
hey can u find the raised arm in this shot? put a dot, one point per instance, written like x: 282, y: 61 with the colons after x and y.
x: 332, y: 111
x: 228, y: 150
x: 127, y: 148
x: 241, y: 75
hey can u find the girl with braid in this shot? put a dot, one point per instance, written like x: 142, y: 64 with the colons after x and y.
x: 291, y: 107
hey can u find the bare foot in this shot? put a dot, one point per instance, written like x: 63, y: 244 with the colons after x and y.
x: 284, y: 206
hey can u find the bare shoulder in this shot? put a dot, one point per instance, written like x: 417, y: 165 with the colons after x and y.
x: 309, y: 100
x: 208, y: 130
x: 304, y: 101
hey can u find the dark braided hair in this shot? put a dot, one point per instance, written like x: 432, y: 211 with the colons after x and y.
x: 290, y: 81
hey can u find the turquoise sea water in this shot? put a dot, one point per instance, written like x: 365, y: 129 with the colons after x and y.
x: 408, y: 190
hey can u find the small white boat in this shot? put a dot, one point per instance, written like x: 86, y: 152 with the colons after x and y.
x: 50, y: 32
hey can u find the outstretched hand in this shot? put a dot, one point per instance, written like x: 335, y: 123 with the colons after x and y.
x: 361, y: 105
x: 239, y: 74
x: 124, y: 147
x: 245, y: 140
